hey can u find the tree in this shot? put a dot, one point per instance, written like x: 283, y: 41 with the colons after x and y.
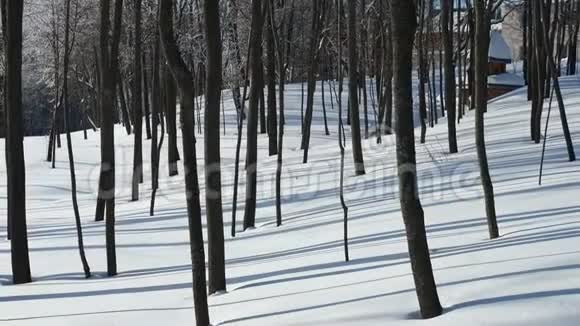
x: 184, y: 80
x: 157, y: 120
x: 15, y: 169
x: 65, y: 95
x: 279, y: 49
x: 271, y: 83
x: 137, y: 103
x: 318, y: 12
x: 213, y: 188
x: 422, y: 70
x: 404, y: 23
x: 256, y: 77
x: 108, y: 70
x: 482, y: 27
x: 353, y: 75
x: 450, y: 99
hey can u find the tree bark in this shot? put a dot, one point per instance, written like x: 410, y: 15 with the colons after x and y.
x: 352, y: 90
x: 271, y: 76
x: 253, y: 115
x: 67, y: 51
x: 213, y: 188
x: 313, y: 58
x: 137, y: 104
x: 184, y: 80
x: 481, y: 60
x: 108, y: 57
x: 15, y: 167
x: 450, y: 98
x: 403, y: 15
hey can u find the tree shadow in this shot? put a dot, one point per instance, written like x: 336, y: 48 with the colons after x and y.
x: 95, y: 313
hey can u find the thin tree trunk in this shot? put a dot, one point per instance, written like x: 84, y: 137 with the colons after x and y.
x: 554, y: 74
x: 450, y: 102
x: 352, y: 87
x: 67, y: 51
x: 253, y: 114
x: 481, y: 58
x: 137, y: 104
x: 271, y: 75
x: 146, y: 105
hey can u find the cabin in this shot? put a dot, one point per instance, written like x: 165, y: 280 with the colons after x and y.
x: 500, y: 81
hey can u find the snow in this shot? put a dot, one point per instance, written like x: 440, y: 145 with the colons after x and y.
x: 506, y: 79
x: 498, y: 48
x: 295, y: 274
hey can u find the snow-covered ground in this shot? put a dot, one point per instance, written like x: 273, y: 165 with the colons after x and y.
x: 295, y: 274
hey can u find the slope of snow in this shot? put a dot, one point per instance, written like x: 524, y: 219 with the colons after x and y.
x: 295, y: 274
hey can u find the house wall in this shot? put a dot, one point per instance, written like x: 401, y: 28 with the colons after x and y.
x: 513, y: 33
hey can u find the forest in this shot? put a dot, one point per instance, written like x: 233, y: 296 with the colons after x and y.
x: 289, y: 162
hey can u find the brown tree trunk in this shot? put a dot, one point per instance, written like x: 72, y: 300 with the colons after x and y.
x: 137, y: 104
x: 15, y: 167
x: 403, y: 15
x: 313, y: 58
x: 271, y: 76
x: 253, y: 115
x: 450, y: 98
x: 67, y: 51
x: 481, y: 57
x: 108, y: 57
x: 352, y: 90
x: 184, y: 80
x: 213, y: 188
x: 171, y: 121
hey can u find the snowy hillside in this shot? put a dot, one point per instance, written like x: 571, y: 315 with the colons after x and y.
x: 295, y: 274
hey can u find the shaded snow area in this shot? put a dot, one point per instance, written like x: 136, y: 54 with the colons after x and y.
x: 506, y: 79
x: 295, y: 274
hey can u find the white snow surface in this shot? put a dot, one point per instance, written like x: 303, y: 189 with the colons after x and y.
x: 296, y: 274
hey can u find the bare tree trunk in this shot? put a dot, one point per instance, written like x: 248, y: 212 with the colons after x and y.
x: 271, y: 75
x: 313, y: 58
x: 146, y: 106
x: 553, y: 70
x: 156, y: 121
x: 67, y: 51
x: 363, y: 69
x: 481, y: 58
x: 213, y: 188
x: 341, y: 135
x: 352, y: 87
x: 108, y: 56
x: 279, y: 49
x: 253, y: 115
x: 124, y: 109
x: 422, y: 71
x: 15, y: 167
x: 137, y: 104
x: 171, y: 121
x: 185, y: 83
x: 403, y: 15
x: 447, y: 27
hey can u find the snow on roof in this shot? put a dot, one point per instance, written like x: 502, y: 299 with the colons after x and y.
x: 506, y: 79
x: 499, y: 50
